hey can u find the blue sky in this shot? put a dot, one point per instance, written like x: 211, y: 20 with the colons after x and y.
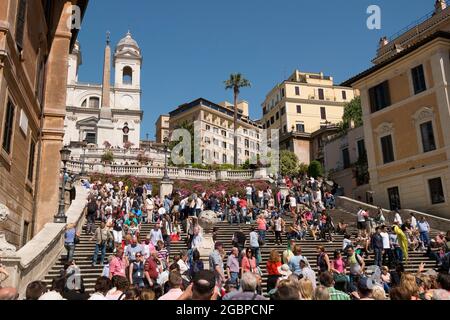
x: 191, y: 47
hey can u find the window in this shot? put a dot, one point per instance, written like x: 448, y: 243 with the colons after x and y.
x: 8, y: 127
x: 300, y: 127
x: 84, y: 103
x: 299, y: 109
x: 428, y: 141
x: 207, y: 140
x: 323, y: 113
x: 264, y: 110
x: 127, y: 75
x: 346, y: 158
x: 344, y: 95
x: 20, y: 23
x: 297, y: 91
x: 283, y: 111
x: 31, y: 161
x: 216, y: 142
x: 257, y: 147
x: 245, y: 131
x: 224, y: 158
x: 361, y: 148
x: 207, y: 154
x: 282, y: 93
x: 387, y: 149
x: 125, y: 138
x: 40, y: 81
x: 436, y: 191
x: 224, y: 133
x: 418, y: 78
x: 321, y: 94
x: 247, y: 143
x: 272, y: 120
x: 208, y: 127
x: 91, y: 138
x: 247, y: 153
x: 394, y: 198
x: 224, y: 145
x: 285, y: 129
x: 267, y: 124
x: 216, y: 130
x: 380, y: 97
x: 26, y: 232
x: 278, y: 116
x: 94, y: 103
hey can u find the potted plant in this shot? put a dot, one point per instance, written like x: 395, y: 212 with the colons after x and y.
x: 108, y: 157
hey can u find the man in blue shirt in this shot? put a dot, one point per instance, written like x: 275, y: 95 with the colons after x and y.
x: 294, y: 262
x: 424, y: 229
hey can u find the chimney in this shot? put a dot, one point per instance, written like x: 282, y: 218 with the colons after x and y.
x: 439, y: 6
x: 383, y: 41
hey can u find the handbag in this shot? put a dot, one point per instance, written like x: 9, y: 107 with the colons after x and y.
x: 76, y: 240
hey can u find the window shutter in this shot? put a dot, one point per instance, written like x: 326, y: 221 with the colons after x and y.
x: 373, y: 103
x: 20, y: 23
x: 387, y: 94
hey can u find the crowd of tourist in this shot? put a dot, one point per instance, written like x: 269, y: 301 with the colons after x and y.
x: 371, y: 265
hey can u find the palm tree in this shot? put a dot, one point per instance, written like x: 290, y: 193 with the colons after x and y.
x: 236, y: 82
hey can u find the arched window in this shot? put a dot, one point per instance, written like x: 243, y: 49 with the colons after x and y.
x: 84, y: 104
x: 127, y: 75
x: 94, y: 103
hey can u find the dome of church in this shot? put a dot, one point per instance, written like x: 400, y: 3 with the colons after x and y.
x: 127, y: 42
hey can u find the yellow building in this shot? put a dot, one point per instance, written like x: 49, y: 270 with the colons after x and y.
x: 162, y: 128
x: 406, y: 113
x: 304, y: 104
x: 35, y: 41
x: 216, y: 130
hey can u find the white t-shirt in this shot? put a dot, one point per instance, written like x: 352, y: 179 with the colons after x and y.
x: 278, y: 225
x: 361, y: 217
x: 249, y: 191
x: 346, y: 243
x: 183, y: 266
x: 161, y: 211
x: 398, y: 219
x: 386, y: 242
x: 293, y: 201
x: 414, y: 222
x: 97, y: 296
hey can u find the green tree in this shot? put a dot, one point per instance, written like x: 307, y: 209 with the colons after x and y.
x: 288, y: 163
x: 352, y: 112
x: 303, y: 168
x: 235, y: 83
x: 315, y: 169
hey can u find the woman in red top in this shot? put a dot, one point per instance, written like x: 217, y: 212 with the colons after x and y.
x: 273, y: 264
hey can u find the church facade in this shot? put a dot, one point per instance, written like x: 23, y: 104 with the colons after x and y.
x: 106, y: 115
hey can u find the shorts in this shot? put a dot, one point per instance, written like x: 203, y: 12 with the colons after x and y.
x: 361, y: 225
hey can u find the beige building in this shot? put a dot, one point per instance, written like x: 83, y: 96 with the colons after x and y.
x: 345, y: 155
x: 35, y: 41
x: 302, y: 105
x: 162, y: 128
x: 406, y: 113
x: 215, y: 130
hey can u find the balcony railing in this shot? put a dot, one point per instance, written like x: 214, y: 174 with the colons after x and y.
x: 75, y: 167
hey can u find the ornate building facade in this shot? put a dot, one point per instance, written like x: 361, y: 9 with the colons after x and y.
x: 101, y: 114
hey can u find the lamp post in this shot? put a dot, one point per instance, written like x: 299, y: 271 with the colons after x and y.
x: 61, y: 216
x: 84, y: 158
x: 166, y: 170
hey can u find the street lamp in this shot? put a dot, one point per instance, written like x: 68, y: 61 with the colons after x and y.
x: 61, y: 216
x: 166, y: 170
x: 84, y: 146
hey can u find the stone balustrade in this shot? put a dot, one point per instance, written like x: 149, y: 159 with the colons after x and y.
x: 351, y: 205
x: 33, y: 261
x: 174, y: 173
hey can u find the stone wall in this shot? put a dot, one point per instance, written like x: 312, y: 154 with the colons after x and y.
x: 33, y: 261
x: 352, y: 206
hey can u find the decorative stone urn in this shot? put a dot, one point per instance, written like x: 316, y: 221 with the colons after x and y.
x: 207, y: 220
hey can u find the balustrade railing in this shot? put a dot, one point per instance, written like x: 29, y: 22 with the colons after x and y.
x: 158, y: 172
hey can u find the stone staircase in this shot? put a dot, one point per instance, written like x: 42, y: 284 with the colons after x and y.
x: 85, y: 249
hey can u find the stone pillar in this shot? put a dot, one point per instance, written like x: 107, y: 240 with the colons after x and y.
x: 54, y: 112
x: 165, y: 188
